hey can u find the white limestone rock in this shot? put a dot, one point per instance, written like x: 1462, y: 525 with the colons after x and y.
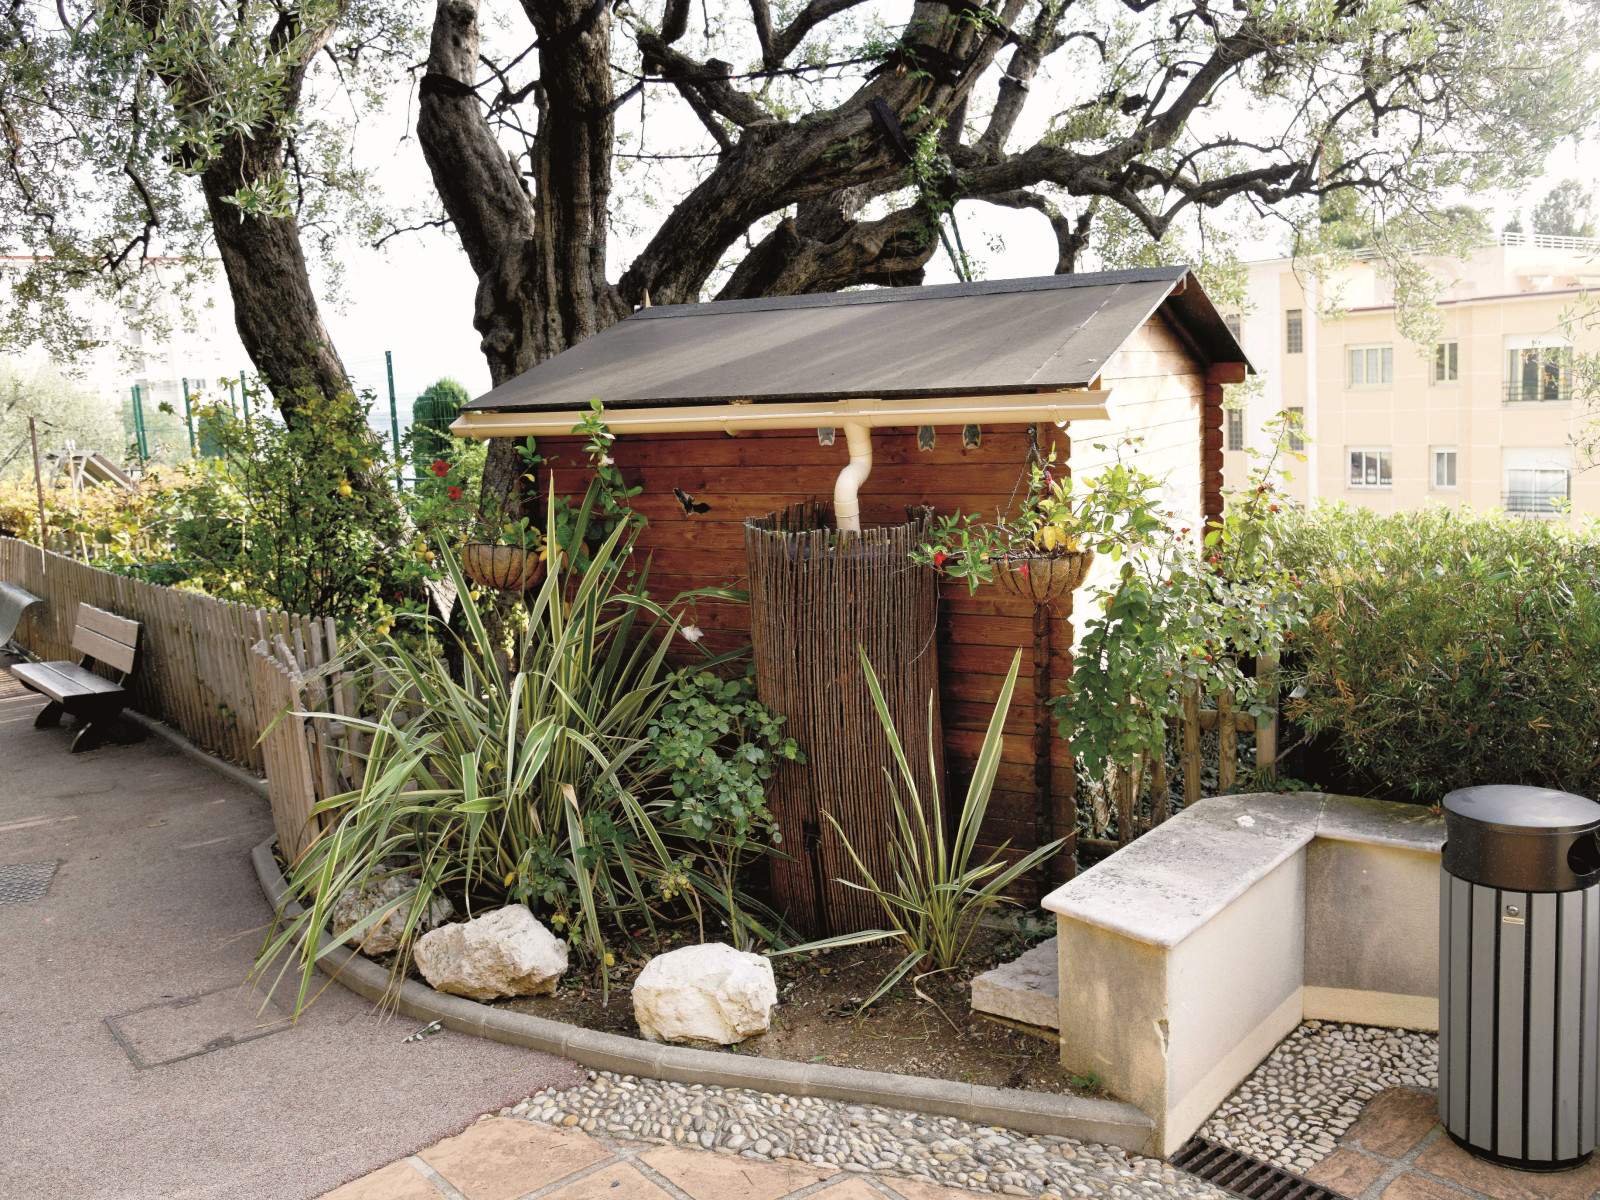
x: 503, y: 953
x: 357, y: 903
x: 1025, y: 990
x: 706, y: 994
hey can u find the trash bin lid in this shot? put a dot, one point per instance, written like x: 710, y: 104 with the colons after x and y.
x: 1515, y: 808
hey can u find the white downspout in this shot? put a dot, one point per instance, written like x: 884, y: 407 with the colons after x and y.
x: 846, y: 500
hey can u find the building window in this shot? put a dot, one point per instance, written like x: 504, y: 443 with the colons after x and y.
x: 1537, y: 481
x: 1235, y: 324
x: 1444, y: 469
x: 1235, y: 429
x: 1370, y: 366
x: 1294, y: 333
x: 1447, y: 362
x: 1297, y: 429
x: 1371, y: 467
x: 1539, y: 375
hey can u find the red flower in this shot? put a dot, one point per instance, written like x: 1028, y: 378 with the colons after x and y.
x: 455, y: 493
x: 938, y: 559
x: 440, y: 468
x: 1022, y: 569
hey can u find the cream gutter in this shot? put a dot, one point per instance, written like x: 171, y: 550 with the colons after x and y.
x: 858, y: 417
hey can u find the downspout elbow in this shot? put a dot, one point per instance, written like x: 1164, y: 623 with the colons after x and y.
x: 846, y: 489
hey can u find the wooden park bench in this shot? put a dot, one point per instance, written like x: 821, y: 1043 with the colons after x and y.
x: 72, y: 688
x: 14, y: 601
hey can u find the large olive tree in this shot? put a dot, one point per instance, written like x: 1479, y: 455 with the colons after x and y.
x: 834, y: 137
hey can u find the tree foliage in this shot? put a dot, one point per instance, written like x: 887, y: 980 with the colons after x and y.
x: 181, y: 128
x: 64, y: 411
x: 1568, y: 211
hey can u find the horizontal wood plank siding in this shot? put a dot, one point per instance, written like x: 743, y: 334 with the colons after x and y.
x: 1159, y: 390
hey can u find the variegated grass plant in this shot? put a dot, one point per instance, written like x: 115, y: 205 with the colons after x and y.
x: 496, y: 784
x: 935, y: 897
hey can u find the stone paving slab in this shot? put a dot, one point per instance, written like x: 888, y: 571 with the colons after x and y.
x: 502, y: 1158
x: 1397, y: 1150
x: 705, y: 1142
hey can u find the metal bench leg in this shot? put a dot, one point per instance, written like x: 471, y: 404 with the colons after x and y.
x: 50, y: 716
x: 103, y: 726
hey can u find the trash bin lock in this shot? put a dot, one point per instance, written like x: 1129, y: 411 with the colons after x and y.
x: 1519, y: 975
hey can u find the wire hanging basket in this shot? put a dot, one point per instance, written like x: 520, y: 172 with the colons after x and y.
x: 1042, y: 578
x: 508, y: 568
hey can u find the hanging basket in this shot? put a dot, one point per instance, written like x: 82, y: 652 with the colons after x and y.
x: 509, y: 568
x: 1045, y: 577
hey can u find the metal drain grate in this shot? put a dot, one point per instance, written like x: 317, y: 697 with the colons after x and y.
x: 1246, y: 1176
x: 22, y: 882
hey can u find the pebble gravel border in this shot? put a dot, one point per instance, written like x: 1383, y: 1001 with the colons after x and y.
x: 940, y: 1150
x: 1294, y: 1107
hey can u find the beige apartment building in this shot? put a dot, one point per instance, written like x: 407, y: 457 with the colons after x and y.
x: 1486, y: 417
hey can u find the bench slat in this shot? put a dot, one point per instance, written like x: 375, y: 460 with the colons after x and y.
x: 102, y: 649
x: 118, y: 629
x: 63, y: 680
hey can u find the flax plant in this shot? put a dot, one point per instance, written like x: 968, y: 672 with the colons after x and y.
x: 518, y: 781
x: 936, y: 897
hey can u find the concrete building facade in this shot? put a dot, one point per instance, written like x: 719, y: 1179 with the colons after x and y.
x: 1486, y: 417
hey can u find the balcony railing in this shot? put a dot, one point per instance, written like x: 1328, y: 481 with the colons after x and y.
x: 1535, y: 504
x: 1543, y: 392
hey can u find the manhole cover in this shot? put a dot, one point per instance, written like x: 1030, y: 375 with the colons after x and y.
x: 178, y: 1029
x: 22, y: 882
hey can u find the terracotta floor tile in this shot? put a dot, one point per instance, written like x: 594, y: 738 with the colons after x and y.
x: 1395, y: 1121
x: 857, y: 1188
x: 1416, y: 1187
x: 617, y: 1181
x: 1450, y: 1161
x: 1348, y: 1172
x: 707, y: 1176
x: 397, y: 1181
x: 505, y: 1158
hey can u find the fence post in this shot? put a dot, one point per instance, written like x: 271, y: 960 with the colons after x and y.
x: 1267, y: 723
x: 1191, y: 748
x: 1227, y: 743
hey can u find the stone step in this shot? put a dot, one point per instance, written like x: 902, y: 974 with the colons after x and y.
x: 1025, y: 990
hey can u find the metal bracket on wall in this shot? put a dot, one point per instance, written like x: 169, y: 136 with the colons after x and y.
x: 971, y: 437
x: 925, y: 436
x: 825, y: 436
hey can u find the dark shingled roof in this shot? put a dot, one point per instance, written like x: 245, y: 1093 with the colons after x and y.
x: 996, y: 337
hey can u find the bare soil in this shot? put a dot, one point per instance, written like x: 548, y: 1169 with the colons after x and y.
x: 926, y: 1028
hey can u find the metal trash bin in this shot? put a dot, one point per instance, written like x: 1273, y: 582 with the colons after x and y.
x: 1519, y: 975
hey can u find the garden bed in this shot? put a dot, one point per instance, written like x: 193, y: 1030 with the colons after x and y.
x: 817, y: 1020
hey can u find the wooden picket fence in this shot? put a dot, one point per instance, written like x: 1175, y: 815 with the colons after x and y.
x: 1134, y: 802
x: 194, y: 671
x: 308, y: 758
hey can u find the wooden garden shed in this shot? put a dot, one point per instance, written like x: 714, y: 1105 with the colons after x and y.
x: 889, y: 398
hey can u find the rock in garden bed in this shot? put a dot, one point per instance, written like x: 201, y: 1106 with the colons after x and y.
x: 358, y: 903
x: 704, y: 994
x: 504, y: 953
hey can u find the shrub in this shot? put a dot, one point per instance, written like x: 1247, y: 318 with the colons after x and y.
x: 300, y: 517
x: 1448, y: 649
x: 542, y: 784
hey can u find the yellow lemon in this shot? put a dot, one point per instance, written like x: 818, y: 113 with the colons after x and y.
x: 345, y: 489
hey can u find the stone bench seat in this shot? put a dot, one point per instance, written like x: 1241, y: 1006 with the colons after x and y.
x: 1187, y: 955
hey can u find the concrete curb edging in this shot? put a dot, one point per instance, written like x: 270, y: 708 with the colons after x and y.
x: 1109, y: 1122
x: 168, y: 734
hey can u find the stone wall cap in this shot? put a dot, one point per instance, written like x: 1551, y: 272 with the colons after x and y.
x: 1162, y: 887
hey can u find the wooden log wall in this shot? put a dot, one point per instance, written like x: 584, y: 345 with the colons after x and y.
x: 1159, y: 392
x: 193, y: 670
